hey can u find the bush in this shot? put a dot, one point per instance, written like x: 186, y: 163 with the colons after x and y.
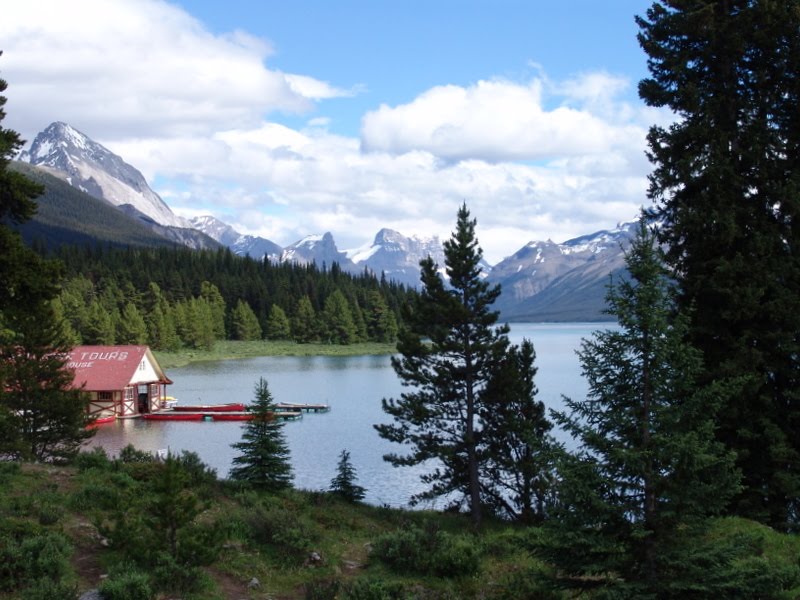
x: 130, y: 455
x: 427, y: 551
x: 322, y: 589
x: 93, y: 496
x: 126, y: 583
x: 199, y: 474
x: 374, y: 589
x: 279, y: 529
x: 25, y: 559
x: 47, y: 589
x: 94, y: 459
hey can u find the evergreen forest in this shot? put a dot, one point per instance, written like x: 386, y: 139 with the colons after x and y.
x: 177, y: 297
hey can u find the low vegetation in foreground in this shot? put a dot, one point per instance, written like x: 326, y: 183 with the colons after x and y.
x: 136, y: 529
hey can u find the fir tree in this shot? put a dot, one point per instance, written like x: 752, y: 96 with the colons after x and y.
x: 278, y: 327
x: 244, y: 322
x: 338, y: 319
x: 648, y: 470
x: 520, y: 449
x: 344, y: 484
x: 448, y: 353
x: 264, y: 458
x: 132, y: 328
x: 304, y: 324
x: 725, y: 182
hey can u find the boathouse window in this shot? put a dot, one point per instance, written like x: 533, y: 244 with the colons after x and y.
x: 141, y: 366
x: 104, y: 396
x: 129, y: 393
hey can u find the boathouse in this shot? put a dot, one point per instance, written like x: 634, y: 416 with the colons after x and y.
x: 122, y: 381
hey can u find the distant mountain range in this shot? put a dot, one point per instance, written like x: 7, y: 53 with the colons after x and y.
x: 94, y: 195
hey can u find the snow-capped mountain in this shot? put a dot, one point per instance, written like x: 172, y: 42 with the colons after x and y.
x: 94, y: 169
x: 319, y: 249
x: 549, y: 281
x: 243, y: 245
x: 397, y: 256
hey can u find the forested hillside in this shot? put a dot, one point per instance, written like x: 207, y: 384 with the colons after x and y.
x: 172, y: 297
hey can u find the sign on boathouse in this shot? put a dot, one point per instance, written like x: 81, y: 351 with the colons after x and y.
x: 122, y: 381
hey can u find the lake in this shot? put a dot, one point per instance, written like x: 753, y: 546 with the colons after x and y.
x: 353, y: 386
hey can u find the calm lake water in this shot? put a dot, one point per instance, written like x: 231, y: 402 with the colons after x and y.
x: 352, y: 386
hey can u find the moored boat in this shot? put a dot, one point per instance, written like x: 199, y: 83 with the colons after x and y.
x: 231, y: 407
x: 172, y: 416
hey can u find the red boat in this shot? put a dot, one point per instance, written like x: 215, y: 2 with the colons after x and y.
x: 171, y: 416
x: 221, y: 416
x: 232, y: 407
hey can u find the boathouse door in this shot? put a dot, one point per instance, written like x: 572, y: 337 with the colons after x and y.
x: 144, y: 399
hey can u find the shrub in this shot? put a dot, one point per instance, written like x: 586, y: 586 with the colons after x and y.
x: 96, y: 458
x: 427, y: 551
x: 279, y: 529
x: 322, y: 589
x: 27, y: 558
x: 47, y: 589
x: 374, y: 589
x: 130, y: 454
x: 94, y: 496
x: 126, y: 583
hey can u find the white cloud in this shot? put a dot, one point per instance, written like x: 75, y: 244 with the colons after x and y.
x: 533, y: 160
x: 499, y: 120
x: 139, y: 67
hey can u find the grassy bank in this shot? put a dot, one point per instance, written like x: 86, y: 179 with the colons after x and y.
x: 141, y: 532
x: 228, y: 349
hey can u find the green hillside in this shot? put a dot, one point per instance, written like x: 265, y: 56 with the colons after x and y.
x: 67, y: 215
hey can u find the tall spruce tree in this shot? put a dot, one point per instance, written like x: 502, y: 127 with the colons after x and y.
x: 648, y: 470
x: 520, y: 449
x: 448, y: 352
x: 264, y: 458
x: 726, y: 184
x: 344, y: 483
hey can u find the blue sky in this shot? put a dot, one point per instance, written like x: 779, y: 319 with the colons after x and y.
x: 292, y: 118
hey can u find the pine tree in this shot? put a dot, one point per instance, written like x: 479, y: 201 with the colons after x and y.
x: 648, y: 470
x: 448, y: 353
x: 278, y: 327
x: 725, y: 182
x: 520, y: 449
x: 210, y: 293
x: 244, y: 322
x: 381, y: 322
x: 304, y: 323
x: 344, y: 484
x: 264, y: 458
x: 338, y: 319
x: 132, y: 328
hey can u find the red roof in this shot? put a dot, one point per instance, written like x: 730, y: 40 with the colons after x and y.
x: 107, y: 368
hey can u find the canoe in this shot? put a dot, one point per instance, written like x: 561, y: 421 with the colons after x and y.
x: 171, y: 416
x: 232, y: 407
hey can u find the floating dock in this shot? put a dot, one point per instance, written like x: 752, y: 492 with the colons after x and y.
x: 217, y: 415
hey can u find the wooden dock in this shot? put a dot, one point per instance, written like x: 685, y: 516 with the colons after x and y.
x: 169, y: 415
x: 291, y: 407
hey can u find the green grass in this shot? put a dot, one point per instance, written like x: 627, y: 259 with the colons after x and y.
x: 228, y: 349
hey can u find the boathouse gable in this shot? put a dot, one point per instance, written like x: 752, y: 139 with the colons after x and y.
x: 121, y: 381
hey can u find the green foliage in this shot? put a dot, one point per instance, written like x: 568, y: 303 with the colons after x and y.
x: 648, y: 470
x: 96, y: 458
x: 344, y: 483
x: 278, y: 327
x: 125, y: 582
x: 724, y: 185
x: 26, y: 559
x: 173, y: 288
x: 337, y: 320
x: 520, y: 449
x: 279, y: 530
x: 374, y: 589
x: 448, y: 353
x: 244, y: 322
x: 428, y: 551
x: 47, y: 589
x: 264, y: 456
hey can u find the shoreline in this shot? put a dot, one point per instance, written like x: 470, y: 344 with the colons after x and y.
x: 232, y: 350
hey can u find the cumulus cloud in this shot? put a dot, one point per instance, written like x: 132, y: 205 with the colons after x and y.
x: 140, y: 67
x: 533, y: 159
x: 499, y: 120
